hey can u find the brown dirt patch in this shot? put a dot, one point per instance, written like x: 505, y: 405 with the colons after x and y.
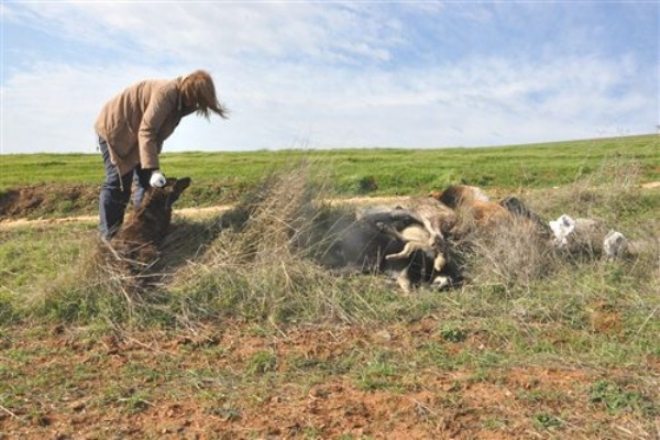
x: 44, y: 200
x: 605, y: 318
x: 67, y: 383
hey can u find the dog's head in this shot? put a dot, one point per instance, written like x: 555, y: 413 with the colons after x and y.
x: 435, y: 194
x: 163, y: 198
x: 175, y: 187
x: 139, y: 237
x: 615, y: 244
x: 451, y: 196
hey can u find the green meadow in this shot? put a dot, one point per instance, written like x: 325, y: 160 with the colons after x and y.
x: 377, y: 171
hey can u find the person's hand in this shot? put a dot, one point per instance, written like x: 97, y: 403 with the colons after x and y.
x: 157, y: 179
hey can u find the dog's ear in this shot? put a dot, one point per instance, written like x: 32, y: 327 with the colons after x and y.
x: 435, y: 194
x: 182, y: 184
x: 170, y: 182
x: 179, y: 185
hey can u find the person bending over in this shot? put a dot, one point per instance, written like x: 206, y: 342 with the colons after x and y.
x: 131, y: 129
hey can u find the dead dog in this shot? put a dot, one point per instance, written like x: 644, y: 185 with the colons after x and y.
x: 473, y: 208
x: 436, y: 218
x: 419, y: 245
x: 138, y: 242
x: 395, y: 241
x: 592, y: 238
x: 477, y: 213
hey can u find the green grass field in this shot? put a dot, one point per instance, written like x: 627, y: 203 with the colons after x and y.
x: 247, y: 338
x: 394, y: 170
x: 73, y: 180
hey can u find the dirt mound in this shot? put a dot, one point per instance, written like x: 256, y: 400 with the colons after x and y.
x: 68, y: 200
x: 41, y: 200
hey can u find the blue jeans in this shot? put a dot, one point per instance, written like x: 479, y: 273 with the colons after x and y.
x: 116, y: 192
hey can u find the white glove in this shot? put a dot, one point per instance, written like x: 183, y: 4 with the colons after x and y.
x: 157, y: 179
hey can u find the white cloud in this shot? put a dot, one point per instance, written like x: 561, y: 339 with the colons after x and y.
x: 306, y: 75
x: 190, y: 30
x: 293, y: 105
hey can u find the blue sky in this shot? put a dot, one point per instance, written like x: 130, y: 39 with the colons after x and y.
x: 337, y: 74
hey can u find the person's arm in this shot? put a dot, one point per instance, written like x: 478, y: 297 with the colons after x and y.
x: 160, y: 106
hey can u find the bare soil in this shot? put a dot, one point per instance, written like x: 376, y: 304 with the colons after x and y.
x: 202, y: 385
x: 39, y: 200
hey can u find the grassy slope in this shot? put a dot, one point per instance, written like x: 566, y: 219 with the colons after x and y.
x: 575, y: 354
x: 394, y: 170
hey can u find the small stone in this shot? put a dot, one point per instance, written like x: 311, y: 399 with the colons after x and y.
x: 77, y: 406
x: 383, y: 335
x: 44, y: 421
x: 319, y: 392
x: 58, y: 329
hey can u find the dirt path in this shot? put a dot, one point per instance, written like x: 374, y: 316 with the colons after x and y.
x: 193, y: 213
x: 650, y: 185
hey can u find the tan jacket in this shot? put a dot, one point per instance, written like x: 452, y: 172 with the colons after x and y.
x: 137, y: 121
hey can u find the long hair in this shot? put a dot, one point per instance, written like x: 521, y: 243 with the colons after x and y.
x: 198, y: 88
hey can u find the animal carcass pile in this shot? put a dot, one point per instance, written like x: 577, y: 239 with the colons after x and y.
x: 426, y: 240
x: 422, y: 240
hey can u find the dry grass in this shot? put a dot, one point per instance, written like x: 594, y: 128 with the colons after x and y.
x: 261, y: 263
x: 252, y: 261
x: 516, y: 256
x: 258, y: 261
x: 512, y: 254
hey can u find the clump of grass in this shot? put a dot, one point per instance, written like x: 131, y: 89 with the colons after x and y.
x: 366, y: 185
x: 92, y: 288
x: 547, y: 421
x: 609, y: 193
x: 510, y: 254
x: 261, y: 265
x: 377, y: 374
x: 8, y: 314
x: 100, y: 283
x: 615, y: 398
x: 453, y: 334
x: 262, y: 362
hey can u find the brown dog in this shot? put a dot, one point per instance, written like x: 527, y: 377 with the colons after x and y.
x: 139, y: 239
x: 473, y: 205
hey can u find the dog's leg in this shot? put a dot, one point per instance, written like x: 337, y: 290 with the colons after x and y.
x: 407, y: 251
x: 435, y: 234
x: 439, y: 262
x: 404, y: 282
x: 411, y: 247
x: 390, y: 230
